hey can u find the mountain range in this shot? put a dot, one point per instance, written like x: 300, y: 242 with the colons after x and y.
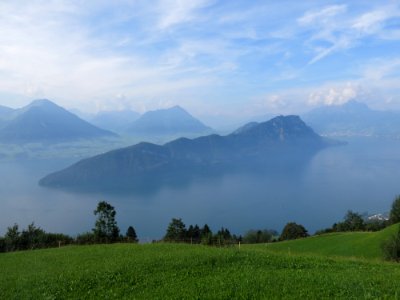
x: 353, y: 118
x: 284, y: 139
x: 44, y: 121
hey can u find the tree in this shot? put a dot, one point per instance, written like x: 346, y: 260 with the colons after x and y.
x: 394, y: 216
x: 12, y: 238
x: 176, y: 231
x: 223, y: 237
x: 293, y: 231
x: 258, y: 236
x: 354, y: 221
x: 391, y: 247
x: 206, y: 235
x: 33, y: 237
x: 131, y: 235
x: 193, y: 234
x: 106, y: 229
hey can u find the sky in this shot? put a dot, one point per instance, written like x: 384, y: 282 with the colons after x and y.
x: 235, y: 58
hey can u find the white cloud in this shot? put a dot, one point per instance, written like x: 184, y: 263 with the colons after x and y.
x: 341, y: 29
x: 174, y: 12
x: 379, y: 69
x: 335, y: 95
x: 322, y: 16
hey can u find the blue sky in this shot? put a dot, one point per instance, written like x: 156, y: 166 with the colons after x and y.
x: 214, y: 58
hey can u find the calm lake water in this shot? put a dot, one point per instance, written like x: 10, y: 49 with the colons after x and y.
x: 363, y: 176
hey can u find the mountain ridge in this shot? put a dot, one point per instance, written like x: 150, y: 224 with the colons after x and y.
x: 275, y: 140
x: 353, y: 118
x: 43, y: 120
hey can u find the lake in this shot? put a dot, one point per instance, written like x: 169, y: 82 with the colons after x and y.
x: 362, y: 176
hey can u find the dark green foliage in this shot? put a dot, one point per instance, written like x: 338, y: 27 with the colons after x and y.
x: 293, y: 231
x: 223, y: 237
x: 193, y: 234
x: 391, y: 247
x: 375, y: 225
x: 87, y: 238
x: 352, y: 222
x: 12, y: 238
x: 355, y: 222
x: 106, y: 229
x: 2, y: 245
x: 394, y: 216
x: 259, y: 236
x: 206, y: 235
x: 131, y: 235
x: 31, y: 238
x: 176, y: 231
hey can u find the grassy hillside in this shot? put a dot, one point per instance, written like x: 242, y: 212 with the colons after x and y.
x: 350, y: 244
x: 166, y: 271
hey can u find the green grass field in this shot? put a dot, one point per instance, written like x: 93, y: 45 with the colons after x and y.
x: 348, y: 244
x: 179, y: 271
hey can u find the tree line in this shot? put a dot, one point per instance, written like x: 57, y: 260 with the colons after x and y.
x: 178, y: 233
x: 106, y: 230
x: 33, y: 237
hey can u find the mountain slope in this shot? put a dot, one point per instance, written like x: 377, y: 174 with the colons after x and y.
x: 280, y: 139
x: 5, y: 113
x: 353, y: 118
x: 172, y: 121
x: 42, y: 120
x: 4, y: 110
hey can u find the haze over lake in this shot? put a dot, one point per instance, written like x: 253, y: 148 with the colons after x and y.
x: 362, y: 176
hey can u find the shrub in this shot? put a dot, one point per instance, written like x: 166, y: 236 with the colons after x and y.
x: 2, y: 245
x: 86, y: 238
x: 391, y: 247
x: 395, y: 211
x: 293, y: 231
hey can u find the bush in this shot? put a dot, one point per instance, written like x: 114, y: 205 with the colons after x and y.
x: 395, y: 211
x: 87, y: 238
x: 293, y: 231
x: 2, y: 245
x: 258, y: 236
x: 391, y: 247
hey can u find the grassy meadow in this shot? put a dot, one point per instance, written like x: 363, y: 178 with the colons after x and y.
x: 361, y: 244
x: 309, y: 270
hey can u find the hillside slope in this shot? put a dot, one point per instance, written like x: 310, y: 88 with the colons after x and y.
x: 347, y: 244
x: 166, y: 271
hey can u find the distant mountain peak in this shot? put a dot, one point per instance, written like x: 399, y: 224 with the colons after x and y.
x: 42, y: 102
x: 353, y: 118
x: 43, y: 120
x: 354, y: 104
x: 279, y: 128
x: 171, y: 121
x: 176, y: 107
